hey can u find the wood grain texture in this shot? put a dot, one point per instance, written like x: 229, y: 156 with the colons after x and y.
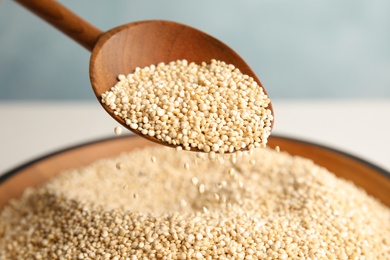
x: 372, y: 179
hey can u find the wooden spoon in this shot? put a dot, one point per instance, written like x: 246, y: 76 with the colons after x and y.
x: 139, y: 44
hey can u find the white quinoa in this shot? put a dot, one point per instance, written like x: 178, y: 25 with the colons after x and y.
x: 206, y: 107
x: 118, y: 130
x: 283, y: 207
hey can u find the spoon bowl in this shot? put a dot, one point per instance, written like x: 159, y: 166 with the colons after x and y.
x: 123, y: 49
x: 138, y: 44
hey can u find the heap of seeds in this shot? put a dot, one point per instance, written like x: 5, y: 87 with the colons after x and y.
x: 146, y: 205
x: 209, y: 107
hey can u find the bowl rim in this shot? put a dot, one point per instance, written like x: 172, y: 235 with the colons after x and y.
x: 8, y: 174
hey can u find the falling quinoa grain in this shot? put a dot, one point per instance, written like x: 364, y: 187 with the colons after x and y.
x: 186, y: 166
x: 252, y: 162
x: 183, y: 203
x: 118, y: 165
x: 201, y: 188
x: 194, y: 180
x: 118, y: 130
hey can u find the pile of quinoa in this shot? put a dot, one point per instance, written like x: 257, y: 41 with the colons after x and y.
x: 158, y: 203
x: 207, y: 107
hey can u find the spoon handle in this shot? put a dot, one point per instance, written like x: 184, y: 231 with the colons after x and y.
x: 63, y: 19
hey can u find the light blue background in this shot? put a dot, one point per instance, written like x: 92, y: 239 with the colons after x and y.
x: 298, y: 48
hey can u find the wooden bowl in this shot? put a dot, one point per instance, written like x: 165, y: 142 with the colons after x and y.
x: 374, y: 180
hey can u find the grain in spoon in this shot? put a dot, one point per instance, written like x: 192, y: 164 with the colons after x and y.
x: 136, y: 45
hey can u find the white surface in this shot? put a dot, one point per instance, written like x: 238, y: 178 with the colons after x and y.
x: 31, y: 130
